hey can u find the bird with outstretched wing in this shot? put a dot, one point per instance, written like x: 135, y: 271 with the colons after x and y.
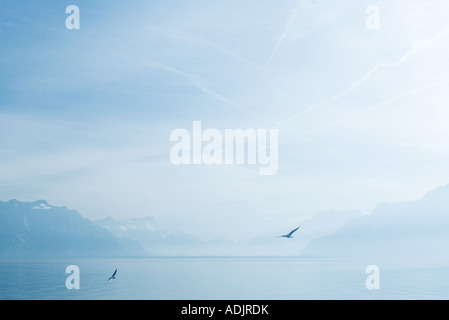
x: 113, y: 275
x: 288, y: 235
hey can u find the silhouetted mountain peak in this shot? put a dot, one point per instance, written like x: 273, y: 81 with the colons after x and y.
x: 40, y: 229
x: 439, y: 195
x: 414, y: 228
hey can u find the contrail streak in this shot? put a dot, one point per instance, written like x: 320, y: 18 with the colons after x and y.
x: 376, y: 68
x: 201, y: 84
x: 287, y: 28
x: 379, y: 105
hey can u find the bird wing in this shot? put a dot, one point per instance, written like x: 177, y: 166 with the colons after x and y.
x: 113, y: 275
x: 291, y: 232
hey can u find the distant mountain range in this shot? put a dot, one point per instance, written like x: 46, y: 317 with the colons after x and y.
x: 35, y: 229
x: 39, y: 229
x: 409, y: 229
x: 155, y: 238
x: 322, y: 224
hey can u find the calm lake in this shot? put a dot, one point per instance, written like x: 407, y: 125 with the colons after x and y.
x: 267, y: 278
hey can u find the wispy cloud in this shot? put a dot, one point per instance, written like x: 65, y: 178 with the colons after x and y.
x: 303, y: 19
x: 293, y: 15
x: 21, y: 21
x: 181, y: 35
x: 379, y: 106
x: 202, y: 84
x: 416, y: 46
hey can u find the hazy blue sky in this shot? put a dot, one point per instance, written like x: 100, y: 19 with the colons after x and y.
x: 86, y: 115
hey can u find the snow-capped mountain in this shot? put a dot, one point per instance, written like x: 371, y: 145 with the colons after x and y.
x: 40, y: 229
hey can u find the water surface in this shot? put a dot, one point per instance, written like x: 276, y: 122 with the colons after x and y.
x: 289, y: 278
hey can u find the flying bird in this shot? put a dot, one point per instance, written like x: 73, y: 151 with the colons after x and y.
x: 113, y: 275
x: 288, y: 235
